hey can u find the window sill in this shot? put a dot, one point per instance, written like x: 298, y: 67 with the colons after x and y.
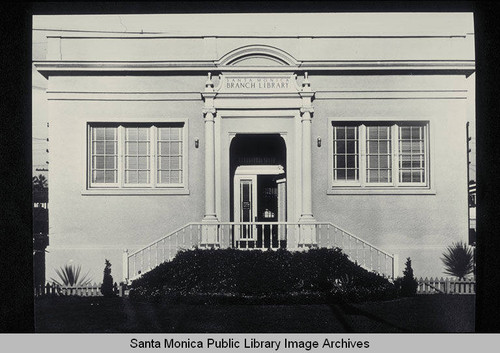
x: 380, y: 191
x: 135, y: 191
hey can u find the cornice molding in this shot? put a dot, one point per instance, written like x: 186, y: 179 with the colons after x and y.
x: 48, y: 68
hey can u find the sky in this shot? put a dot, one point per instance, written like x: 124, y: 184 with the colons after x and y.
x: 117, y: 24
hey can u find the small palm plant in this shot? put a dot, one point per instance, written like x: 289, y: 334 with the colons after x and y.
x: 458, y: 260
x: 70, y: 276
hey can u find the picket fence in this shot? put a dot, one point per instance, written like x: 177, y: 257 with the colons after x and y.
x: 425, y: 286
x: 90, y: 290
x: 446, y: 286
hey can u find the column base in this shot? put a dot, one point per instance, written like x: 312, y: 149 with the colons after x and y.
x: 307, y: 232
x: 210, y: 232
x: 210, y: 218
x: 307, y: 218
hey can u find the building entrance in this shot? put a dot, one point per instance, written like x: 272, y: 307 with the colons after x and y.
x: 258, y: 191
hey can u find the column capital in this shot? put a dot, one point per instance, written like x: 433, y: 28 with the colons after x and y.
x: 308, y: 109
x: 208, y: 110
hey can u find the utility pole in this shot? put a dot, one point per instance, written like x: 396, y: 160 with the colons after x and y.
x: 471, y: 191
x: 468, y: 179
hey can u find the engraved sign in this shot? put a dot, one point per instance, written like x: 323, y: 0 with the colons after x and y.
x: 255, y: 84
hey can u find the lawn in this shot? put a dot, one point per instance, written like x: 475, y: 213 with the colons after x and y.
x: 433, y: 313
x: 89, y: 315
x: 425, y: 313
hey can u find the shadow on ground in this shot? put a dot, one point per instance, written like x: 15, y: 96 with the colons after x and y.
x: 431, y: 313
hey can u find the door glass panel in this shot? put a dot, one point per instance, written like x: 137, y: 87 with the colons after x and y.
x: 246, y: 201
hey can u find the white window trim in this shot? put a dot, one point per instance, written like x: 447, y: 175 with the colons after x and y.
x: 122, y: 157
x: 426, y: 161
x: 394, y: 188
x: 153, y: 188
x: 361, y: 166
x: 90, y: 160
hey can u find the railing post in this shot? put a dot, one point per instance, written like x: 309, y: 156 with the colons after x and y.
x: 225, y: 238
x: 125, y: 266
x: 395, y: 266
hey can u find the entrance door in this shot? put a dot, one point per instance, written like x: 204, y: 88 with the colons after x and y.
x: 245, y: 206
x: 258, y: 201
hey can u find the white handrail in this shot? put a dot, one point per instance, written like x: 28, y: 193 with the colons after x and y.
x: 162, y: 238
x: 357, y: 238
x: 167, y: 240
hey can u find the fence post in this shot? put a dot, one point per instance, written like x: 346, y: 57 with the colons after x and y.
x: 447, y: 285
x: 125, y: 266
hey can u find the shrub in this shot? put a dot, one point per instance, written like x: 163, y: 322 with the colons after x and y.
x: 70, y: 276
x: 107, y: 281
x: 407, y: 285
x: 232, y: 275
x: 458, y: 260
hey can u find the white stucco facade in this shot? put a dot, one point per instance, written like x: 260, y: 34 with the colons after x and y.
x: 296, y: 84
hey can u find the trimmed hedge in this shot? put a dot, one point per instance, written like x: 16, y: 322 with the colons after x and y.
x: 236, y: 276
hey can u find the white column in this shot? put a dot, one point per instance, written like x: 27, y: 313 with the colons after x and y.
x: 306, y: 122
x: 210, y: 213
x: 210, y: 228
x: 307, y: 233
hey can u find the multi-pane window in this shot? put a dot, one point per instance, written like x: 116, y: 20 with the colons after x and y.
x: 345, y: 153
x: 411, y: 154
x: 379, y: 154
x: 169, y: 155
x: 136, y: 155
x: 104, y: 155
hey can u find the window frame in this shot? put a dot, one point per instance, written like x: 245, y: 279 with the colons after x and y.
x: 90, y: 145
x: 122, y: 135
x: 154, y: 186
x: 362, y: 185
x: 353, y: 183
x: 157, y: 155
x: 426, y: 157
